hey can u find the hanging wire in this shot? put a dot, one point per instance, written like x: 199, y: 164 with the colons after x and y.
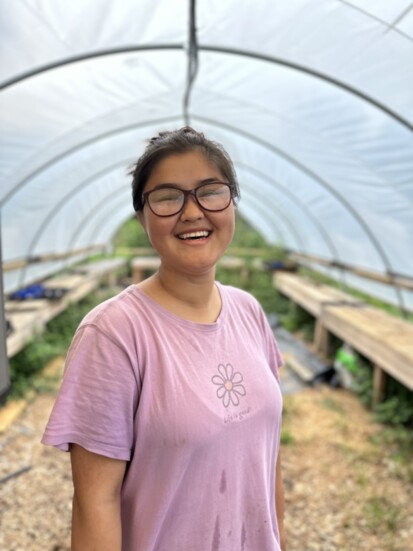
x: 192, y: 60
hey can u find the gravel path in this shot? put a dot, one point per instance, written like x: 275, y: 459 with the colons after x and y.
x: 35, y: 506
x: 343, y: 492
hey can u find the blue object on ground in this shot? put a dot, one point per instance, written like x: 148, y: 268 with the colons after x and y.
x: 30, y: 292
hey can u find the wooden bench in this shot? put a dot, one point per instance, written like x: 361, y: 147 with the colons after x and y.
x: 143, y: 264
x: 382, y: 338
x: 106, y: 269
x: 29, y: 317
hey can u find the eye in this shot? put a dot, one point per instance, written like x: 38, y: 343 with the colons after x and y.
x: 165, y: 195
x: 211, y: 190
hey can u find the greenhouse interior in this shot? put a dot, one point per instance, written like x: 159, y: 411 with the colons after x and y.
x: 313, y: 101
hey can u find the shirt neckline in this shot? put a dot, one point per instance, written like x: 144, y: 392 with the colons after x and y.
x: 193, y: 325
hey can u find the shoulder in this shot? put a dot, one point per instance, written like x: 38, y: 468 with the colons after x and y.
x: 239, y: 299
x: 109, y: 311
x: 117, y: 318
x: 111, y: 329
x: 236, y: 294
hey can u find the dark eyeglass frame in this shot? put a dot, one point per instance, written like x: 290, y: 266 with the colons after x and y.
x: 187, y: 193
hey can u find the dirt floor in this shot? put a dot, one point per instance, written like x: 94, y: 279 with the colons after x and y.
x: 346, y: 489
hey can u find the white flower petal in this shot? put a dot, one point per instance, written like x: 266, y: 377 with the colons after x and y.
x: 234, y: 398
x: 239, y: 389
x: 237, y: 378
x: 223, y: 372
x: 229, y: 371
x: 217, y: 380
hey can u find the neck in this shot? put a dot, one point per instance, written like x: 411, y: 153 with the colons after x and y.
x: 195, y: 292
x: 192, y: 298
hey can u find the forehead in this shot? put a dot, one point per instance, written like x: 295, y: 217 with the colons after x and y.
x: 185, y: 169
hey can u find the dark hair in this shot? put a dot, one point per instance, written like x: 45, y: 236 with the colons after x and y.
x: 178, y: 142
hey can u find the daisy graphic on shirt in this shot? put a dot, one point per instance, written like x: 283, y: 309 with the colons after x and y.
x: 229, y: 385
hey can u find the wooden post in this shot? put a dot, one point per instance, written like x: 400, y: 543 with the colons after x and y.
x: 111, y: 278
x: 379, y: 384
x: 321, y: 338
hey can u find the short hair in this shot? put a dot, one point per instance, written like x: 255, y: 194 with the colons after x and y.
x: 178, y: 142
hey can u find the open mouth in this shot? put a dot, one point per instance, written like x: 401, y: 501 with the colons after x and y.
x: 203, y: 234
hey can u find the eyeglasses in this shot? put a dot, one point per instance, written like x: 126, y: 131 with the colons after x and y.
x: 169, y: 200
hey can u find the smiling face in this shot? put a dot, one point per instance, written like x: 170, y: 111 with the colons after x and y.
x: 193, y: 240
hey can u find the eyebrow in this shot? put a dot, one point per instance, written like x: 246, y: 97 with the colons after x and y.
x: 199, y: 183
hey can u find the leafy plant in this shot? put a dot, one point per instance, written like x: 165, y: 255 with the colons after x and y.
x: 287, y: 438
x: 397, y: 410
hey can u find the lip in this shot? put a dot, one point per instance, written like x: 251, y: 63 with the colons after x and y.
x: 194, y: 242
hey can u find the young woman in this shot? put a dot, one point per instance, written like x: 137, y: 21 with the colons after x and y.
x: 170, y: 404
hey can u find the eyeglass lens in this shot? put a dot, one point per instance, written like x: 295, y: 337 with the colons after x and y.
x: 167, y: 201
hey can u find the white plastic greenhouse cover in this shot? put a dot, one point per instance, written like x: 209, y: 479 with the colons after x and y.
x: 312, y: 98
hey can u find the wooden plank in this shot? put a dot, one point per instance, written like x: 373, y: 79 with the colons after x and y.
x: 146, y: 262
x: 310, y: 295
x: 67, y: 281
x: 101, y: 267
x: 25, y: 325
x: 232, y: 262
x: 372, y: 335
x: 28, y: 323
x: 15, y: 306
x: 307, y: 296
x: 299, y: 369
x: 10, y: 412
x: 142, y: 264
x: 400, y: 280
x: 385, y: 340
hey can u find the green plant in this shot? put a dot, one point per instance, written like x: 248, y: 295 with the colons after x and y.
x: 246, y: 236
x: 364, y: 383
x: 397, y: 410
x: 131, y: 234
x: 287, y: 438
x: 296, y: 318
x: 397, y: 407
x: 28, y: 363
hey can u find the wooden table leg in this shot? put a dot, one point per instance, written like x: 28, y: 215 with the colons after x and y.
x: 379, y: 384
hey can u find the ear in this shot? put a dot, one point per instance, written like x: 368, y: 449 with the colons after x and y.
x: 140, y: 218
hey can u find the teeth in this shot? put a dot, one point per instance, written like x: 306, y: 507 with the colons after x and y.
x: 194, y: 234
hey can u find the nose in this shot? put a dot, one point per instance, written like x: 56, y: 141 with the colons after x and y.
x: 191, y: 210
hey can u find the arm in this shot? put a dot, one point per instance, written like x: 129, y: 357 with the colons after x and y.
x: 97, y: 480
x: 279, y: 503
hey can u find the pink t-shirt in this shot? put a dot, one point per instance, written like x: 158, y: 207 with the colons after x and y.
x: 194, y: 408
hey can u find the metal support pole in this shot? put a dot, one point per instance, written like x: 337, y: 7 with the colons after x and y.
x: 4, y: 363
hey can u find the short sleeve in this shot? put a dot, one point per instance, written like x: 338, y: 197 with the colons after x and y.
x: 98, y: 398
